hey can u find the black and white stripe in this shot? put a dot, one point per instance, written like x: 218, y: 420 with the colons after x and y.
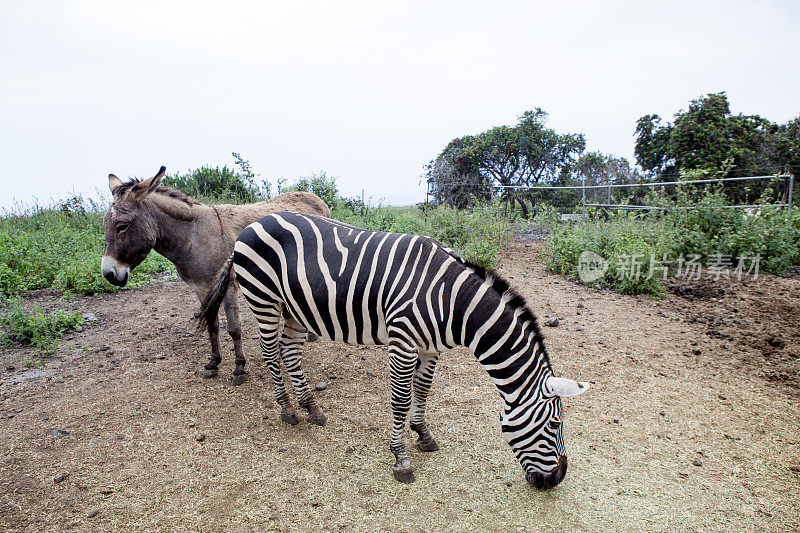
x: 415, y: 296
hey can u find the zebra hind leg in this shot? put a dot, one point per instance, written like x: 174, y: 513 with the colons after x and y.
x: 402, y: 363
x: 268, y: 324
x: 423, y: 377
x: 292, y: 339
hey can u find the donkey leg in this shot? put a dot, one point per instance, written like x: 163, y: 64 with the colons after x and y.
x: 423, y: 377
x: 214, y: 360
x: 269, y: 321
x: 292, y: 339
x: 235, y: 331
x: 402, y: 363
x: 213, y: 336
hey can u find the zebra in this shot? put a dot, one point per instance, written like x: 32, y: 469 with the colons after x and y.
x: 414, y: 295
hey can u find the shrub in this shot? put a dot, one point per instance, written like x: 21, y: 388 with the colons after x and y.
x: 37, y: 328
x: 216, y: 185
x: 321, y: 185
x: 624, y: 242
x: 60, y: 247
x: 478, y: 235
x: 694, y: 225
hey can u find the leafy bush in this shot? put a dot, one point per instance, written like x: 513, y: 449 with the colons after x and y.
x: 60, y: 247
x: 478, y: 235
x: 217, y: 185
x: 321, y: 185
x: 696, y: 224
x: 618, y: 241
x: 37, y: 328
x: 410, y: 222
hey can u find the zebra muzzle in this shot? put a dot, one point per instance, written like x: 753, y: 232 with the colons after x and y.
x: 548, y: 480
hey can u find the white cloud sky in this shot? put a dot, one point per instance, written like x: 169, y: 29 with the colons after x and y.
x: 367, y: 91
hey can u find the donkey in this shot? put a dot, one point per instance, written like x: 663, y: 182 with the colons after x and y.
x: 195, y: 237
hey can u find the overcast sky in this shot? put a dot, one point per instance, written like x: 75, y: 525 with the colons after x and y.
x: 366, y: 91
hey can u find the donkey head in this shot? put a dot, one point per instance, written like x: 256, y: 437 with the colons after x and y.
x: 130, y: 231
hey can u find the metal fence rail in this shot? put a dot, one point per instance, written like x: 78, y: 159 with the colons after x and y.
x: 583, y: 188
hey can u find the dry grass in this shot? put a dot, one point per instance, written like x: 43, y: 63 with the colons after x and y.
x: 133, y: 451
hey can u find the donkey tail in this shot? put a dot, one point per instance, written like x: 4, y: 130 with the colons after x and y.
x: 210, y: 306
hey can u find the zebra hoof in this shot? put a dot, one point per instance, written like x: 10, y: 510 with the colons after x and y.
x: 210, y: 373
x: 290, y: 418
x: 238, y: 379
x: 403, y: 474
x: 318, y: 419
x: 428, y: 445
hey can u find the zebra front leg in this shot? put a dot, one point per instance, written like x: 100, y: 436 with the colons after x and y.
x: 292, y: 340
x: 235, y: 331
x: 423, y: 377
x: 269, y: 321
x: 402, y: 363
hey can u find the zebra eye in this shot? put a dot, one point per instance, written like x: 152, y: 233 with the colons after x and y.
x: 554, y: 424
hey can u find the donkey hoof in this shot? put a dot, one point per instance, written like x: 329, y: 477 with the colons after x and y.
x: 238, y: 379
x: 427, y: 445
x: 290, y: 418
x: 403, y: 474
x: 210, y: 372
x: 318, y: 419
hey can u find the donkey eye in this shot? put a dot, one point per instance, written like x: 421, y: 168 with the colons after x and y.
x: 122, y: 226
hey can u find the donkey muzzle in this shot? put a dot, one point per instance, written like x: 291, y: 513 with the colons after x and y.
x: 115, y: 272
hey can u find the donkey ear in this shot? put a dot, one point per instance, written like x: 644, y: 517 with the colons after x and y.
x: 113, y: 183
x: 565, y: 388
x: 143, y: 188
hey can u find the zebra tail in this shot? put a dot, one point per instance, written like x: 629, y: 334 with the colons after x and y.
x: 210, y: 307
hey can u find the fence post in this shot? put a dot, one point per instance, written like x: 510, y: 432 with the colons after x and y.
x: 791, y: 186
x: 583, y: 197
x: 608, y: 200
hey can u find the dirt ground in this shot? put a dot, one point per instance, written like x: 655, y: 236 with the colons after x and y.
x: 693, y: 423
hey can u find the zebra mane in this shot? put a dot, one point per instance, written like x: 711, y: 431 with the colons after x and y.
x: 515, y: 300
x: 161, y: 189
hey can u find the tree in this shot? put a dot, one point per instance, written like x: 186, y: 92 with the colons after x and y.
x: 448, y: 184
x: 519, y: 155
x: 787, y: 144
x: 708, y: 137
x: 596, y: 168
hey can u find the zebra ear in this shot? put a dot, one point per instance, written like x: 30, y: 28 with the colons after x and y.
x: 565, y: 388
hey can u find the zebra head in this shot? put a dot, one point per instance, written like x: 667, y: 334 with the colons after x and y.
x: 533, y: 429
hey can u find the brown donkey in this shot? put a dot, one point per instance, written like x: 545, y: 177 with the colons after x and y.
x: 197, y: 238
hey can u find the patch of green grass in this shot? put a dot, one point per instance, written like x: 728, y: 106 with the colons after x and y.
x: 36, y: 328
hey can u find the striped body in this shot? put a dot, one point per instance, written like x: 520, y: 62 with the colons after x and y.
x: 416, y: 296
